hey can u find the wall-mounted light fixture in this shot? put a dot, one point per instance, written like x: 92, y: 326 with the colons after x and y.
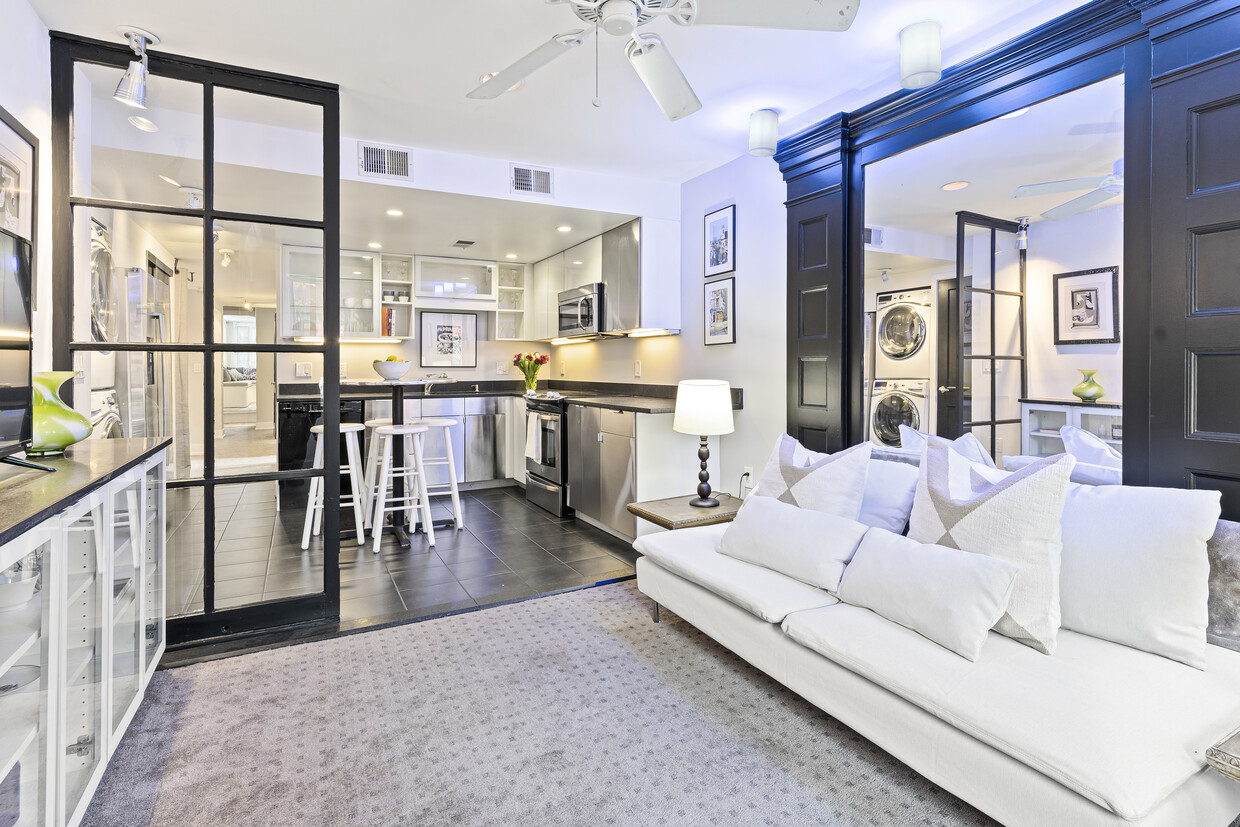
x: 763, y: 132
x: 1022, y: 235
x: 131, y: 91
x: 921, y: 54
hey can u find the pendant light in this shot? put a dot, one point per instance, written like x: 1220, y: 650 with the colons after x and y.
x: 131, y: 91
x: 763, y: 132
x: 921, y: 54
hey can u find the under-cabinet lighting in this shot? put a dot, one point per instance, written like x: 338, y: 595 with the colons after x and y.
x: 318, y: 340
x: 569, y: 341
x: 643, y: 332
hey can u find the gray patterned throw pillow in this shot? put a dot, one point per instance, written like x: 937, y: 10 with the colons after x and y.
x: 831, y: 483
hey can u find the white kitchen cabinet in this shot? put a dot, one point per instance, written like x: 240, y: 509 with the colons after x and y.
x: 514, y: 315
x: 301, y: 302
x: 1042, y: 419
x: 583, y: 264
x: 455, y: 283
x: 548, y: 282
x: 396, y: 296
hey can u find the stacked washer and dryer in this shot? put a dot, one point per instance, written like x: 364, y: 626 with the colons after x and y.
x: 903, y: 365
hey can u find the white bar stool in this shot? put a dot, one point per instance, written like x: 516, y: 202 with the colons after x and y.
x: 314, y: 504
x: 451, y: 486
x: 414, y: 474
x: 372, y: 465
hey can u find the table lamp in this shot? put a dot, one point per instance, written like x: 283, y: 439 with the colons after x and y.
x: 703, y: 407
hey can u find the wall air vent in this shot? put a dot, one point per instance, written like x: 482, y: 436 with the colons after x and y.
x: 463, y: 244
x: 382, y: 161
x: 527, y: 180
x: 873, y: 236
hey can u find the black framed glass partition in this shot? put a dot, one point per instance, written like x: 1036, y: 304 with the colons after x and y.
x: 172, y: 226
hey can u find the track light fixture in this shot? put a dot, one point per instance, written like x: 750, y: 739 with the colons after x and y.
x: 131, y: 91
x: 226, y: 257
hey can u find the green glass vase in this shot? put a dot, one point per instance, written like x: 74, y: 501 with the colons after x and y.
x: 56, y: 425
x: 1089, y: 390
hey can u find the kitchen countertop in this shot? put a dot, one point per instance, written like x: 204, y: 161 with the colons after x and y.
x: 636, y: 404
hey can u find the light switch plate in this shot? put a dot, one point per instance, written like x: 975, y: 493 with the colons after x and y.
x: 563, y: 365
x: 301, y: 370
x: 501, y: 368
x: 637, y: 368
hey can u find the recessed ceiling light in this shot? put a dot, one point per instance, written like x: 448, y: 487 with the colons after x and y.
x: 374, y: 245
x: 395, y: 213
x: 511, y: 255
x: 145, y: 124
x: 578, y: 263
x: 490, y: 75
x: 952, y: 186
x: 357, y: 272
x: 1015, y: 114
x: 564, y: 228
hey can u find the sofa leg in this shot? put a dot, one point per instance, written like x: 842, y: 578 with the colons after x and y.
x: 655, y: 612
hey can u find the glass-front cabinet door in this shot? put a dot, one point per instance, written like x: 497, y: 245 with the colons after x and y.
x: 154, y: 532
x: 80, y: 714
x: 301, y: 295
x: 25, y: 612
x: 124, y: 516
x: 358, y: 302
x: 455, y: 278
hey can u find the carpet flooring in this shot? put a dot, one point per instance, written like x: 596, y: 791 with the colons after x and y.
x: 562, y: 710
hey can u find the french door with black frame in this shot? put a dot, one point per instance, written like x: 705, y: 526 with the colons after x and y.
x: 990, y: 374
x: 170, y: 226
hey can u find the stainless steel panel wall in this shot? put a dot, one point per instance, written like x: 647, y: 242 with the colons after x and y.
x: 622, y: 277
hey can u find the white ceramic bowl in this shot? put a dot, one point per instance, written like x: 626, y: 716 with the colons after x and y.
x: 17, y: 594
x: 392, y: 370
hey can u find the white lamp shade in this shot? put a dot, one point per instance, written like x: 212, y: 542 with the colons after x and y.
x: 703, y: 408
x: 763, y: 132
x: 921, y: 54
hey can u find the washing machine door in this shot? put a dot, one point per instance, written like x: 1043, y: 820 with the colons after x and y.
x: 890, y: 412
x: 902, y: 331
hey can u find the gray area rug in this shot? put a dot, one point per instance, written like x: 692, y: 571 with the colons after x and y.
x: 564, y: 710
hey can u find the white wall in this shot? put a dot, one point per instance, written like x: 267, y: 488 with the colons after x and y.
x: 1083, y: 242
x: 26, y: 93
x: 757, y: 361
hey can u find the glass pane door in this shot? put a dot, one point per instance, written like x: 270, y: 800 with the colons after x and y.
x: 154, y: 602
x: 125, y: 517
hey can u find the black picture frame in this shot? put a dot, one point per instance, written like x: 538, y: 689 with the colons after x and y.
x: 447, y: 340
x: 719, y: 242
x: 1086, y: 307
x: 719, y: 312
x: 20, y: 149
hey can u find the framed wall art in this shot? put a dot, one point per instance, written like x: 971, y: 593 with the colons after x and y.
x: 449, y: 340
x: 1087, y: 307
x: 719, y: 305
x: 19, y: 158
x: 720, y: 242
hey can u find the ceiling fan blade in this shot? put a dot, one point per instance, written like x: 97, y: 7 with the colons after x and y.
x: 505, y: 79
x: 1052, y: 187
x: 1081, y: 204
x: 663, y: 78
x: 810, y: 15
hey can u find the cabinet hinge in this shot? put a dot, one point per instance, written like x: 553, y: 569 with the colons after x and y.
x: 85, y: 745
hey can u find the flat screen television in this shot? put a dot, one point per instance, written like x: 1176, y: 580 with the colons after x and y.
x: 16, y: 401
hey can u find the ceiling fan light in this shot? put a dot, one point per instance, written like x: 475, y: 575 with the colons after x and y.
x: 662, y: 77
x: 921, y: 54
x: 763, y: 132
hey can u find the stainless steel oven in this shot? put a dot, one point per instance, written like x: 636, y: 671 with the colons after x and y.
x: 581, y: 310
x: 546, y: 441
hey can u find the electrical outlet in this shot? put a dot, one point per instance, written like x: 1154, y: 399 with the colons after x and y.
x: 563, y: 365
x: 637, y: 368
x: 301, y: 370
x: 501, y: 368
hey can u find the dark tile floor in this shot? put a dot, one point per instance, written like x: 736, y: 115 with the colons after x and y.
x: 508, y: 550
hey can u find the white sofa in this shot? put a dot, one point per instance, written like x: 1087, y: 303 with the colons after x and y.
x: 1099, y: 733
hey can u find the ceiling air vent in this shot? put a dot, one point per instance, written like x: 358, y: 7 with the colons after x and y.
x: 527, y: 180
x: 380, y: 161
x: 463, y: 244
x: 874, y: 236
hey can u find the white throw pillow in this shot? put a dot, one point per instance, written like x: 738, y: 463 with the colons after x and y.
x: 889, y: 490
x: 951, y: 596
x: 967, y: 445
x: 1091, y: 448
x: 810, y: 546
x: 1135, y: 567
x: 832, y: 483
x: 1016, y: 519
x: 1083, y: 472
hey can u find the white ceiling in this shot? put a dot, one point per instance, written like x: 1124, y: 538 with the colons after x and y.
x: 404, y: 69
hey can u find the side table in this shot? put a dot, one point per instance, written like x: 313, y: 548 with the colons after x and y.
x: 675, y: 512
x: 1225, y: 756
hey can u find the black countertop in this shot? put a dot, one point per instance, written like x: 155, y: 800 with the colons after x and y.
x: 29, y: 497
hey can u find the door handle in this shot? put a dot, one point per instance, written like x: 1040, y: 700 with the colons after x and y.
x: 580, y: 323
x: 946, y: 388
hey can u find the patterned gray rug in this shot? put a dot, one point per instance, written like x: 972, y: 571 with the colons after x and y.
x: 564, y: 710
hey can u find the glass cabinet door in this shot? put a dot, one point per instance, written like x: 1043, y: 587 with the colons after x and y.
x: 302, y: 307
x: 125, y: 518
x: 79, y: 749
x: 154, y: 528
x: 357, y: 294
x: 455, y: 278
x: 25, y: 610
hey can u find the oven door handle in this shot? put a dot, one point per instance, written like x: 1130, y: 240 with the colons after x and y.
x: 549, y: 417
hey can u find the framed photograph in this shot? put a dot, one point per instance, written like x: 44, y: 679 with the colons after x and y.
x: 1087, y: 307
x: 449, y: 340
x: 720, y: 237
x: 720, y: 312
x: 17, y: 158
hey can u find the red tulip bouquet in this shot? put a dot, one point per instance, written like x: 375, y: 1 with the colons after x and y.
x: 529, y: 364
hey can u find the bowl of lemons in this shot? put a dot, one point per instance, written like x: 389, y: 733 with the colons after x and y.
x: 392, y: 368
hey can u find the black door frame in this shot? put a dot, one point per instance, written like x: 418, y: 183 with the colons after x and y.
x: 67, y: 50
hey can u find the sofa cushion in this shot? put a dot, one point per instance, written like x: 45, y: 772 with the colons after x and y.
x: 1118, y: 726
x: 1016, y: 519
x: 1135, y: 569
x: 693, y: 554
x: 834, y: 483
x: 889, y: 489
x: 806, y: 545
x: 1089, y: 447
x: 1085, y: 473
x: 950, y: 596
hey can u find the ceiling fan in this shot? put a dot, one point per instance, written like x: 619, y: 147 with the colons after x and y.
x: 647, y: 52
x: 1102, y: 188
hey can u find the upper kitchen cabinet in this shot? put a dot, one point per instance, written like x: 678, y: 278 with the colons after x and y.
x: 583, y: 264
x: 375, y: 295
x: 548, y: 282
x: 456, y: 283
x: 514, y: 317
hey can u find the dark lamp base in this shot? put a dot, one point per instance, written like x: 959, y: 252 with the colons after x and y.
x: 704, y: 502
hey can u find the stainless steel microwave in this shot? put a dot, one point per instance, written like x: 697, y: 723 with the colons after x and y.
x: 581, y: 310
